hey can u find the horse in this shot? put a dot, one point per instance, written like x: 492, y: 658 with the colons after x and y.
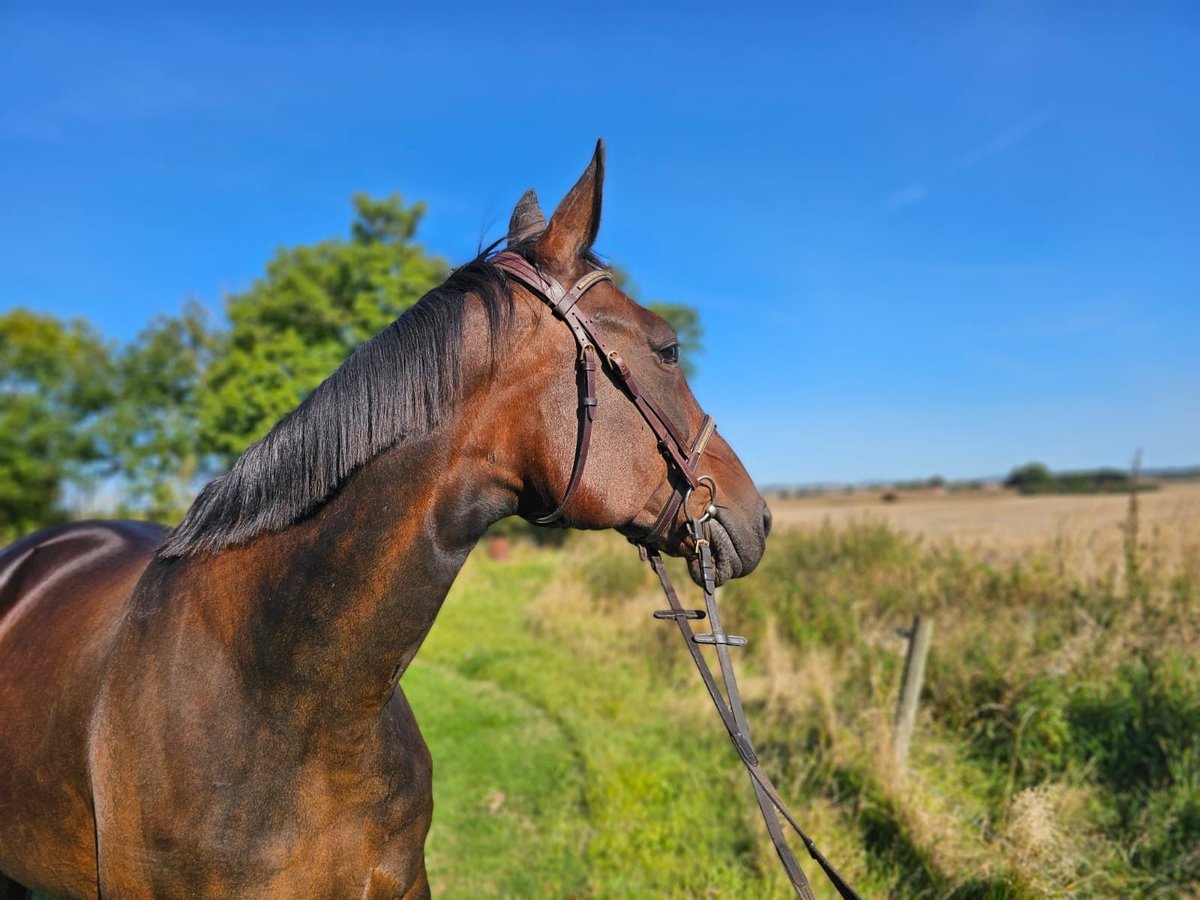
x: 215, y: 710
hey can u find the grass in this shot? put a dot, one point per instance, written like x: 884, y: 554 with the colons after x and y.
x: 1056, y: 752
x: 557, y: 773
x: 507, y: 777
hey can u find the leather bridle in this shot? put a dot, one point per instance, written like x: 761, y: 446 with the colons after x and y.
x: 683, y: 460
x: 682, y: 457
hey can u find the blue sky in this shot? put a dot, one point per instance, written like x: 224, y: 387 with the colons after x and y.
x: 945, y: 240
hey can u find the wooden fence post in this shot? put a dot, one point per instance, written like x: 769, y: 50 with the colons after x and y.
x: 919, y: 637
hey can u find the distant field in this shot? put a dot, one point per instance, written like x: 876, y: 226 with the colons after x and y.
x: 1003, y: 524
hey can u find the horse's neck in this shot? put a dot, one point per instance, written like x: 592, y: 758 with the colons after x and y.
x: 332, y: 610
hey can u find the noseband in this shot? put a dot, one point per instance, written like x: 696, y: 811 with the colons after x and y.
x: 683, y: 459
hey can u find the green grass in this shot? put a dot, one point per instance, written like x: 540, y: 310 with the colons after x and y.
x: 1056, y: 751
x: 510, y: 812
x: 557, y: 773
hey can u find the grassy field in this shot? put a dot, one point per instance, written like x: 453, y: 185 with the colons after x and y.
x: 1056, y: 753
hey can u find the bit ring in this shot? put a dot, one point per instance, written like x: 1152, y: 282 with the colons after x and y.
x: 710, y: 509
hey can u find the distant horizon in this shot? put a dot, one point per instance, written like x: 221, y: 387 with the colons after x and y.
x: 1183, y: 472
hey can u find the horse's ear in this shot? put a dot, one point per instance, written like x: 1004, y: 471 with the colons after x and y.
x: 574, y: 224
x: 527, y: 219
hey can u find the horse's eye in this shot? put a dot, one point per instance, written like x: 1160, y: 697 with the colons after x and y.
x: 669, y: 354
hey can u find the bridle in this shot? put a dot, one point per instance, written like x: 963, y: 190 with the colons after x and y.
x: 683, y: 460
x: 682, y: 457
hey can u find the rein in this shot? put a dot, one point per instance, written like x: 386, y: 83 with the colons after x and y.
x: 683, y: 459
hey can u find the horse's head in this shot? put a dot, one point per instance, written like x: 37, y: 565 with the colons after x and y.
x: 628, y: 479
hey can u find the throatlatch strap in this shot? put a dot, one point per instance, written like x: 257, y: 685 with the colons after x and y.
x: 586, y: 367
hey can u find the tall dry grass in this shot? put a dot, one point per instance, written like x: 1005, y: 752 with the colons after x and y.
x: 1057, y: 749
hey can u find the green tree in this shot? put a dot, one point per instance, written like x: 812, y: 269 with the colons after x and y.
x: 683, y: 318
x: 313, y: 306
x: 1030, y: 478
x: 686, y: 322
x: 55, y: 380
x: 152, y: 431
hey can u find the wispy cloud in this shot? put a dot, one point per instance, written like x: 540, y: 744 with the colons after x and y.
x: 1007, y: 138
x: 906, y: 196
x: 975, y: 156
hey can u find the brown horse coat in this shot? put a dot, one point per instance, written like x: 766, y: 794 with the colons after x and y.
x: 218, y: 715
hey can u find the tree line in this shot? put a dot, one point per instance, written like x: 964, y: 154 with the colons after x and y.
x: 1037, y: 478
x: 133, y: 429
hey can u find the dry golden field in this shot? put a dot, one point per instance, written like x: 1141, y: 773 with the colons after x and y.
x: 1088, y: 529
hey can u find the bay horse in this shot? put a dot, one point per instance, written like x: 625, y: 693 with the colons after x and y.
x: 214, y: 710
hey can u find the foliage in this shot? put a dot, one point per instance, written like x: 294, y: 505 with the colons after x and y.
x: 298, y: 322
x: 610, y: 577
x: 1036, y: 478
x: 55, y: 377
x: 151, y: 429
x: 683, y: 318
x: 1029, y: 477
x: 686, y: 322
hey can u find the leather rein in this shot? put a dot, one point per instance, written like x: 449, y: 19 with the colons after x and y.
x: 683, y: 459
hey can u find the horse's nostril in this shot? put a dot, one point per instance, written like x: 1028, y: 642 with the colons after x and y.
x: 766, y: 520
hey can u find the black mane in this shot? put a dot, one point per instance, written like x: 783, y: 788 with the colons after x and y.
x: 399, y: 384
